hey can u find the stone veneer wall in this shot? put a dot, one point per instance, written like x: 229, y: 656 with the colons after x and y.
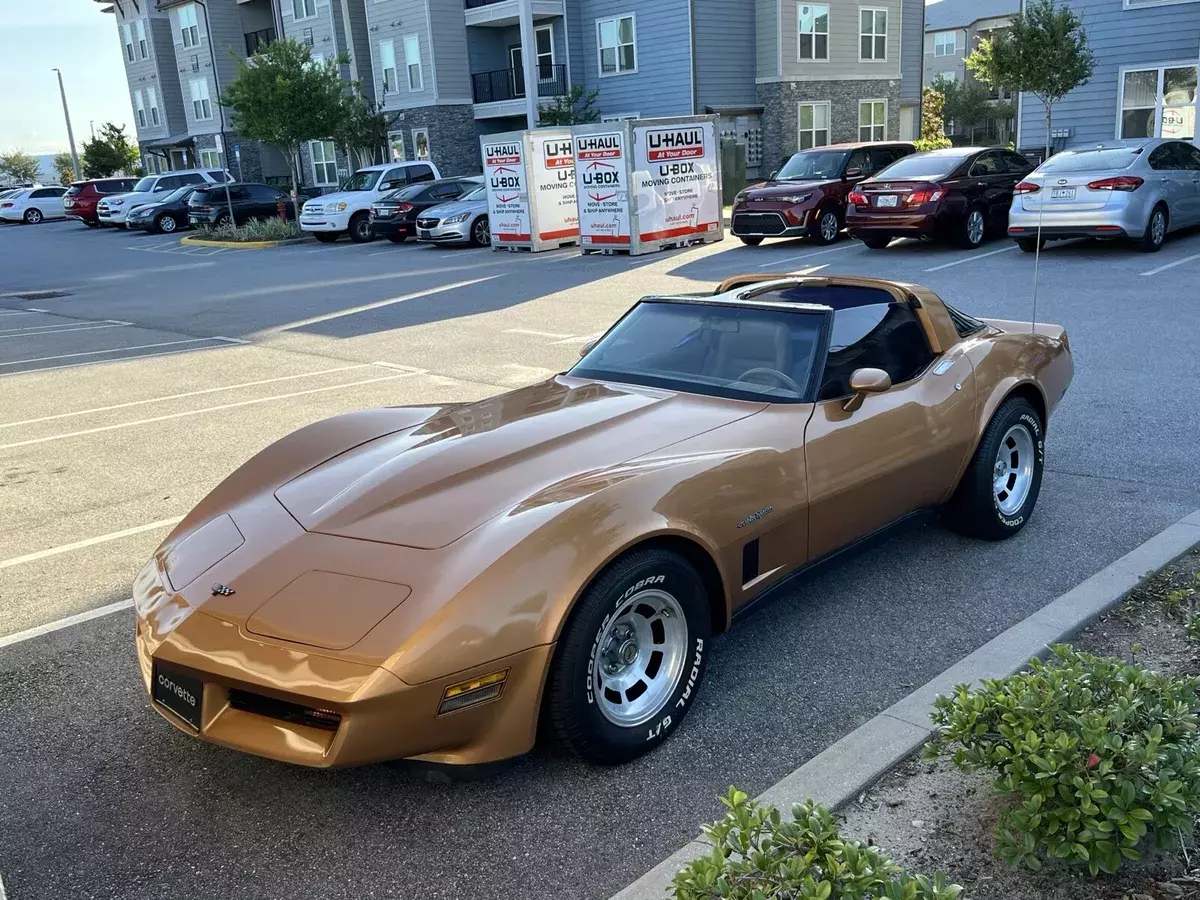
x: 453, y: 136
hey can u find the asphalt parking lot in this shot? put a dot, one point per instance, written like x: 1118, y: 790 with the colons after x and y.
x: 136, y: 372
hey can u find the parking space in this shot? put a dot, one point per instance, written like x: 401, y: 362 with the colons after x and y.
x: 131, y: 382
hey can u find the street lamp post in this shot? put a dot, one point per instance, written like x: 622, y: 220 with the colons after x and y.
x: 70, y: 134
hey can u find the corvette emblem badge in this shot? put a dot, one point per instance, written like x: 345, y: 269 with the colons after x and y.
x: 222, y: 590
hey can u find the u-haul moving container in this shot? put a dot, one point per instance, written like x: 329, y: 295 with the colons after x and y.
x: 647, y: 184
x: 530, y: 177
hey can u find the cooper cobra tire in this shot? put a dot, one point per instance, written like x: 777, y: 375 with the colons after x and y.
x: 998, y: 491
x: 631, y: 658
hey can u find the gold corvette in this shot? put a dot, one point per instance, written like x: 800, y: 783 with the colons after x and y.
x: 433, y: 583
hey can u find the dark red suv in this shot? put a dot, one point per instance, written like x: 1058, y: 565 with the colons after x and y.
x: 81, y: 198
x: 807, y: 197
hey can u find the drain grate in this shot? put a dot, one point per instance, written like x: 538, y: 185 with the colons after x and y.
x: 41, y: 295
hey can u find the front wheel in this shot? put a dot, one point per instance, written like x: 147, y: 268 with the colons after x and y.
x: 876, y: 242
x: 165, y: 224
x: 360, y: 228
x: 750, y: 241
x: 1156, y: 231
x: 631, y: 657
x: 824, y: 228
x: 1000, y: 487
x: 327, y: 237
x: 481, y: 233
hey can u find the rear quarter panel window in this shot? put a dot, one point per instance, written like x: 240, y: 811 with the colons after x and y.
x: 880, y: 336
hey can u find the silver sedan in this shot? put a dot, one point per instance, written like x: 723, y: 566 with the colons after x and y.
x: 1139, y: 189
x: 461, y: 221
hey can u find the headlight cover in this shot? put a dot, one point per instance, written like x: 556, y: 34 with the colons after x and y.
x: 796, y: 198
x: 454, y: 220
x: 335, y: 207
x: 117, y: 202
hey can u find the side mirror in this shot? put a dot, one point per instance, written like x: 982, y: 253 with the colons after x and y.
x: 587, y: 348
x: 773, y: 174
x: 854, y: 172
x: 385, y: 186
x: 864, y: 382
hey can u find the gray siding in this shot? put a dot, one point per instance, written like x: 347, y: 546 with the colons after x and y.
x: 322, y: 27
x: 936, y: 65
x: 1131, y: 38
x: 843, y: 62
x: 766, y: 54
x: 724, y: 53
x: 449, y: 50
x: 169, y: 96
x: 409, y: 18
x: 487, y: 49
x: 157, y: 72
x: 359, y: 43
x: 912, y: 18
x: 195, y: 64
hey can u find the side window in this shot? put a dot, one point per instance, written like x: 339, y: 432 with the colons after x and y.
x: 860, y: 159
x: 37, y: 195
x: 169, y: 183
x: 397, y: 176
x: 420, y: 172
x: 190, y: 178
x: 217, y: 176
x: 239, y: 193
x: 879, y: 336
x: 263, y: 193
x: 1161, y: 158
x: 1193, y: 156
x: 986, y: 164
x: 447, y: 191
x: 1017, y: 164
x: 1180, y: 158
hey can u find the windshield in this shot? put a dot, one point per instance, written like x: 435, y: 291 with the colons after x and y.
x: 145, y: 185
x: 361, y: 181
x: 73, y: 191
x: 406, y: 193
x: 1090, y: 160
x: 813, y: 164
x: 480, y: 193
x: 723, y: 351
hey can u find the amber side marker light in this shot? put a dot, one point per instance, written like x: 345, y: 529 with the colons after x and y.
x: 473, y: 692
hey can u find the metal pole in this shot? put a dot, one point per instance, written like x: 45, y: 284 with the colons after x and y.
x: 70, y: 134
x: 529, y: 61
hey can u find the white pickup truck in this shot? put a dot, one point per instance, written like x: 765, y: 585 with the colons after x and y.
x: 348, y: 210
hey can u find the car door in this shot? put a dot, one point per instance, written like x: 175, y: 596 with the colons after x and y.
x: 1188, y: 158
x: 239, y: 198
x: 991, y: 184
x: 1170, y: 182
x: 900, y: 450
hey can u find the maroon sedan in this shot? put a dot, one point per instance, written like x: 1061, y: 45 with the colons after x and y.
x: 807, y: 197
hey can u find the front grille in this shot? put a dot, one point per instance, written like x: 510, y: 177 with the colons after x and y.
x: 759, y: 223
x: 325, y: 719
x: 427, y: 223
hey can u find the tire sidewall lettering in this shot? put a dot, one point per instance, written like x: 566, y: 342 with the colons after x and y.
x: 1034, y: 427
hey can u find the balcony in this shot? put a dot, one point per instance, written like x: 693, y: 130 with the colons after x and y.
x: 502, y: 93
x: 256, y: 40
x: 503, y: 13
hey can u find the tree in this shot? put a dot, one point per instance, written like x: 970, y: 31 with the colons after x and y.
x: 362, y: 128
x: 932, y: 134
x: 967, y: 103
x: 108, y: 153
x: 572, y: 108
x: 18, y: 166
x: 64, y: 166
x: 1045, y: 53
x: 281, y: 99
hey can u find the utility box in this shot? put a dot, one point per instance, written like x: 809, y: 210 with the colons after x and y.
x: 648, y: 184
x: 530, y: 178
x: 733, y: 166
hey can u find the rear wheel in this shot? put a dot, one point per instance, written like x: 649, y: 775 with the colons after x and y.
x: 32, y: 216
x: 397, y: 238
x: 1156, y: 230
x: 165, y: 224
x: 825, y: 227
x: 327, y: 237
x: 630, y: 658
x: 750, y: 241
x: 974, y: 226
x: 481, y: 232
x: 876, y: 242
x: 225, y: 221
x: 1000, y: 487
x: 90, y: 224
x: 1031, y: 245
x: 360, y: 228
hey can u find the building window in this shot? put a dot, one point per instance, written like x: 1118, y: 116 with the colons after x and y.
x: 872, y: 120
x: 387, y: 61
x: 1158, y: 103
x: 543, y: 40
x: 318, y: 59
x: 421, y: 143
x: 814, y: 32
x: 304, y: 9
x: 143, y: 50
x: 188, y: 26
x: 945, y: 43
x: 152, y: 102
x: 201, y: 107
x: 324, y: 160
x: 210, y: 159
x: 814, y: 125
x: 872, y: 31
x: 128, y: 32
x: 396, y: 146
x: 412, y: 59
x: 139, y: 108
x: 617, y: 39
x: 947, y: 76
x: 620, y: 117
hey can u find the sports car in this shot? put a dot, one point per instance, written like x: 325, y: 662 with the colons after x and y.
x: 435, y: 583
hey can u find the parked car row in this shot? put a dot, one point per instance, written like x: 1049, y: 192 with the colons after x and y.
x: 32, y: 205
x: 1140, y: 190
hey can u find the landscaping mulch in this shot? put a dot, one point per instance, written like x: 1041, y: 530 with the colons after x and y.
x: 931, y: 816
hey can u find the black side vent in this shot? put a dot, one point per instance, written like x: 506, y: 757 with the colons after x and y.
x: 749, y: 561
x: 295, y: 713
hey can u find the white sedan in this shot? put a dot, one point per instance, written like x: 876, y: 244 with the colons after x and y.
x: 32, y: 205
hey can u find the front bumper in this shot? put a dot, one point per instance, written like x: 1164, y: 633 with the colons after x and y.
x: 143, y: 224
x: 768, y: 221
x: 112, y: 216
x: 323, y: 221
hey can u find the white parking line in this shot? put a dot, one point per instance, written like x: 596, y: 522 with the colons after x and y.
x: 164, y: 399
x: 545, y: 334
x: 971, y: 258
x: 31, y: 633
x: 89, y: 542
x: 849, y: 246
x: 1171, y: 265
x: 137, y: 273
x: 46, y: 330
x: 18, y: 362
x: 40, y: 369
x: 197, y: 412
x: 367, y: 307
x: 19, y: 312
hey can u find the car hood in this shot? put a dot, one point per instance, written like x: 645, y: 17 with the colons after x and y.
x: 454, y: 208
x: 363, y: 198
x: 768, y: 189
x: 429, y: 484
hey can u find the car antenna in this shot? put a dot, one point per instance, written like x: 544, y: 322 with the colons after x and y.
x: 1037, y: 256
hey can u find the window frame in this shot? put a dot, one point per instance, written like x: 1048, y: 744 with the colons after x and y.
x: 143, y: 45
x: 152, y: 103
x: 213, y: 153
x: 537, y: 54
x: 800, y: 129
x: 304, y: 5
x: 205, y: 101
x: 1159, y: 99
x: 191, y: 28
x: 390, y: 86
x: 953, y: 33
x: 139, y: 108
x: 323, y: 161
x: 874, y: 35
x: 127, y: 34
x: 600, y: 48
x: 872, y: 101
x: 417, y: 157
x: 408, y: 64
x: 814, y: 34
x: 824, y: 357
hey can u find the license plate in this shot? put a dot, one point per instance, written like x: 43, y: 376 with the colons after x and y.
x: 181, y: 694
x: 887, y: 200
x: 1062, y: 193
x: 422, y: 233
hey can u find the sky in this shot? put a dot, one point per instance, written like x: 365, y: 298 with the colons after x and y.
x: 76, y: 37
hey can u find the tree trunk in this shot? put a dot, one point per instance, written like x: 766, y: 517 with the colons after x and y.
x: 1049, y: 120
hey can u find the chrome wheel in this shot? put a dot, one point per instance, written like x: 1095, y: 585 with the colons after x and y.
x: 829, y: 227
x: 1158, y: 226
x: 975, y: 227
x: 33, y: 216
x: 1012, y: 472
x: 166, y: 224
x: 482, y: 232
x: 639, y: 658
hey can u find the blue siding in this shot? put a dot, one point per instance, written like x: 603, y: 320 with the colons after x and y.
x: 662, y: 85
x: 574, y: 36
x: 1119, y: 38
x: 912, y: 45
x: 724, y: 53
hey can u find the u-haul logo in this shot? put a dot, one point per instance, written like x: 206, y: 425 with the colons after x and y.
x: 674, y: 143
x: 502, y: 154
x: 598, y: 146
x: 558, y: 154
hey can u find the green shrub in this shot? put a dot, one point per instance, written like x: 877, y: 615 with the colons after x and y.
x: 1093, y: 752
x: 273, y: 229
x: 758, y: 856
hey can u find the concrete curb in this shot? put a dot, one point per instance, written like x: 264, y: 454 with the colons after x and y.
x: 841, y: 771
x: 240, y: 245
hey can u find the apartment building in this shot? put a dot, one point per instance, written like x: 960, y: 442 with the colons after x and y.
x: 1144, y: 83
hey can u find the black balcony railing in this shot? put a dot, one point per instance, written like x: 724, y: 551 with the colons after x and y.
x: 475, y: 4
x: 509, y: 84
x: 256, y: 40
